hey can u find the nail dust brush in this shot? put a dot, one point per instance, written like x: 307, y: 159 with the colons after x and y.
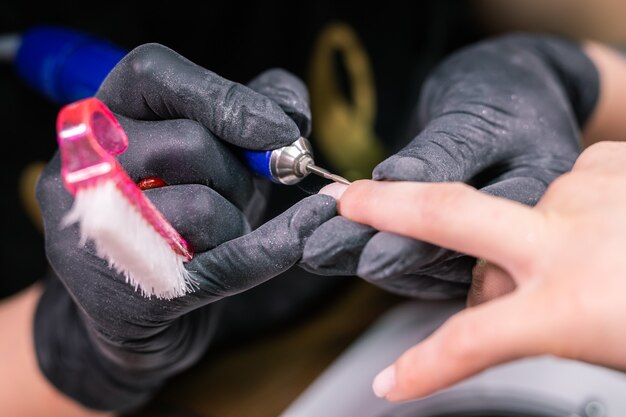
x: 111, y: 210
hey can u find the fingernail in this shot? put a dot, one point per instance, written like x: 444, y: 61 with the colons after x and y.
x: 334, y: 190
x: 384, y: 382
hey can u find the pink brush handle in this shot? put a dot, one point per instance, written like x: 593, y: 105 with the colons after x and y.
x: 89, y: 137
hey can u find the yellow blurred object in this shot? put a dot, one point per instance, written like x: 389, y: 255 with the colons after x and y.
x: 28, y: 182
x: 344, y: 126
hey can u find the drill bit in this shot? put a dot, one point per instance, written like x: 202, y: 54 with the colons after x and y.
x: 314, y: 169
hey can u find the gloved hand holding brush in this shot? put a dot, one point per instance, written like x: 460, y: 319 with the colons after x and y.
x: 99, y: 340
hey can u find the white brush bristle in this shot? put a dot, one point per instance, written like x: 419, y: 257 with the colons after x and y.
x: 128, y: 242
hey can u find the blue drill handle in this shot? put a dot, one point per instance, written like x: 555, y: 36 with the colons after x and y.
x: 259, y: 163
x: 68, y: 65
x: 63, y: 64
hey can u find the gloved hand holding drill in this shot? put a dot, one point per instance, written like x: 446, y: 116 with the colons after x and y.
x: 503, y: 115
x: 98, y: 340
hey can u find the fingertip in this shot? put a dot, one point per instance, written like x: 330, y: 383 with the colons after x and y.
x: 412, y: 375
x: 334, y: 190
x: 358, y: 187
x: 384, y: 382
x: 316, y: 209
x: 402, y: 168
x: 359, y: 198
x: 289, y: 93
x: 335, y: 247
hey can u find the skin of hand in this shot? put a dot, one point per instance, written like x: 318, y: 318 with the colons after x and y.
x: 503, y: 115
x: 98, y: 340
x: 563, y: 260
x: 24, y: 391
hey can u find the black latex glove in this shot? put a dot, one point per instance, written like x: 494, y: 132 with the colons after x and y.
x: 503, y: 115
x: 99, y: 340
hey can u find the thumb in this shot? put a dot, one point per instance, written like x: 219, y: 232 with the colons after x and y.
x: 473, y: 340
x: 445, y: 151
x: 269, y: 250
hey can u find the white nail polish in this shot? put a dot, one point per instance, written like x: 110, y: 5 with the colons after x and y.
x: 334, y: 190
x: 384, y: 382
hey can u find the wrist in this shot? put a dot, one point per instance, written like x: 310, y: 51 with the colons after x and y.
x: 24, y: 381
x: 99, y: 375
